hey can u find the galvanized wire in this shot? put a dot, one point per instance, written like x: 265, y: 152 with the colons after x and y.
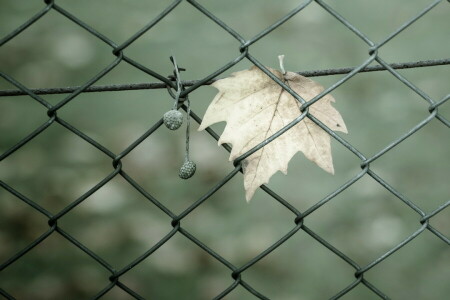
x: 236, y: 272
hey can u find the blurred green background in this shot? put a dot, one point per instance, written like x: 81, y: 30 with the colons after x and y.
x: 117, y: 223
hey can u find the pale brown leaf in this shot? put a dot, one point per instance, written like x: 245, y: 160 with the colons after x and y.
x: 255, y: 107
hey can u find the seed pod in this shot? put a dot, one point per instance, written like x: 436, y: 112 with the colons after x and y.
x: 187, y: 170
x: 173, y: 119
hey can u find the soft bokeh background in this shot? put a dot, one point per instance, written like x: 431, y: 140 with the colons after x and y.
x: 119, y: 224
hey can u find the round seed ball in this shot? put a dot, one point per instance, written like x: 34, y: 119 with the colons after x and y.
x: 187, y: 170
x: 173, y: 119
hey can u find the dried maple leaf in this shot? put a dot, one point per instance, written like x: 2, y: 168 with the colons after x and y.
x: 255, y: 107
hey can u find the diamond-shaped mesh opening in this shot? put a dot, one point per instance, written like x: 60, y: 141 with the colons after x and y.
x: 305, y: 252
x: 115, y: 211
x: 414, y: 42
x: 248, y: 21
x: 22, y: 11
x: 119, y: 19
x: 58, y: 53
x: 236, y: 241
x: 399, y: 266
x: 409, y: 170
x: 379, y: 19
x: 431, y: 80
x: 20, y: 225
x: 193, y: 239
x: 189, y: 26
x: 53, y: 269
x: 111, y: 123
x: 195, y: 273
x: 13, y: 110
x: 75, y: 167
x: 378, y: 221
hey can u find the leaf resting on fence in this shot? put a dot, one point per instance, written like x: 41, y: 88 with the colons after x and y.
x: 255, y: 107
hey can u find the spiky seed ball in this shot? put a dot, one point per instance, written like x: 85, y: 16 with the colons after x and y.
x: 173, y: 119
x: 187, y: 169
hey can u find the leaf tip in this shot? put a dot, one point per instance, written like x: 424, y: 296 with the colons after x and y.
x: 249, y: 195
x: 331, y: 170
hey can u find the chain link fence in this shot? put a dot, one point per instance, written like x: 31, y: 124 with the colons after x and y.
x: 299, y: 218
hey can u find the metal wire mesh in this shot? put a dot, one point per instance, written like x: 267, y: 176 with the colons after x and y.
x: 244, y: 52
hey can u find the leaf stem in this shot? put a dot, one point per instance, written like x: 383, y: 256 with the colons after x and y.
x: 281, y: 60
